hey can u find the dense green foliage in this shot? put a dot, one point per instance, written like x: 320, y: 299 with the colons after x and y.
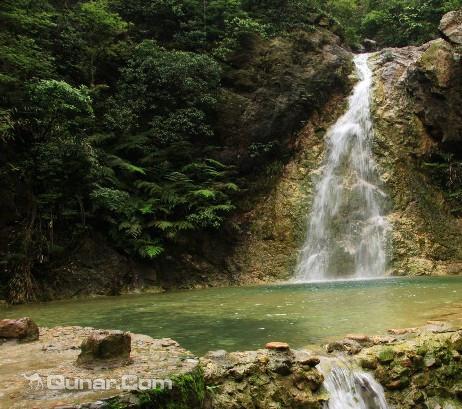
x: 390, y: 22
x: 107, y: 123
x: 107, y: 114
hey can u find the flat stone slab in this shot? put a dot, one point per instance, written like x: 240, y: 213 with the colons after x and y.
x: 278, y: 346
x: 26, y: 369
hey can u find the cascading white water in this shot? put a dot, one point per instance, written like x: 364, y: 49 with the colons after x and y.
x: 347, y: 231
x: 351, y: 388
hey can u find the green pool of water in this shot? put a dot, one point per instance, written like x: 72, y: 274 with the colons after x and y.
x: 247, y: 317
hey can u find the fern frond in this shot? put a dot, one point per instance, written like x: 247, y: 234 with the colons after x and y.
x: 117, y: 162
x: 151, y: 188
x: 150, y: 250
x: 231, y: 186
x: 205, y: 193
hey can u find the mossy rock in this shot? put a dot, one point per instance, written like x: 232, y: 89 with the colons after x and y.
x: 188, y: 392
x: 368, y: 362
x: 386, y: 355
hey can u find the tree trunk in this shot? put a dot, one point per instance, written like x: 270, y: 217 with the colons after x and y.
x: 21, y: 287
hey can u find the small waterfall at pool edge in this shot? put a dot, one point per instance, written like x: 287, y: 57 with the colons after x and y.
x: 351, y: 388
x: 347, y: 232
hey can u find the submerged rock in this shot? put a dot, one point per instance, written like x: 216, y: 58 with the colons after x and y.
x: 401, y: 331
x: 362, y: 339
x: 23, y: 329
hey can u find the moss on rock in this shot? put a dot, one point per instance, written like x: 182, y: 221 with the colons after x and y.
x: 188, y: 392
x: 419, y: 370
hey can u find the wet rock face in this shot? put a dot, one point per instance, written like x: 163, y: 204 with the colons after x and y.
x: 451, y: 26
x: 105, y: 347
x: 435, y: 83
x: 280, y: 96
x: 263, y: 379
x: 274, y: 85
x: 417, y: 106
x: 369, y: 45
x: 23, y: 329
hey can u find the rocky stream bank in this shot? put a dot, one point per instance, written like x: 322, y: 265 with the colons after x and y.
x: 84, y: 368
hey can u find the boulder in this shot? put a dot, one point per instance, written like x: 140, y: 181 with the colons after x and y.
x: 368, y: 362
x: 263, y: 379
x: 23, y: 329
x: 345, y: 345
x: 105, y: 348
x: 451, y: 26
x: 370, y: 45
x: 306, y: 359
x: 386, y: 355
x: 456, y: 341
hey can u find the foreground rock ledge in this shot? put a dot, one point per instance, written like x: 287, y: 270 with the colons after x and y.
x: 26, y: 367
x: 419, y: 368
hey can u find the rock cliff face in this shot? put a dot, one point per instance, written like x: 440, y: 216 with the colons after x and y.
x: 417, y: 112
x: 300, y: 83
x: 274, y: 228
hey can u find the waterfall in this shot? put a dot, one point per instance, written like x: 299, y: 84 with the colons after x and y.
x: 346, y: 236
x: 351, y: 388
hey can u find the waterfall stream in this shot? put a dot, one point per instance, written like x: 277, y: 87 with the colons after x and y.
x: 351, y: 388
x: 347, y: 232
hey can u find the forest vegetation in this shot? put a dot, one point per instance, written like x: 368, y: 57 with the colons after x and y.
x: 108, y: 115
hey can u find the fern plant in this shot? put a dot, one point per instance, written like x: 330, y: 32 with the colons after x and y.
x: 158, y: 184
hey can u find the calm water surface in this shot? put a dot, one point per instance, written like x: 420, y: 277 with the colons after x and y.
x: 247, y: 317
